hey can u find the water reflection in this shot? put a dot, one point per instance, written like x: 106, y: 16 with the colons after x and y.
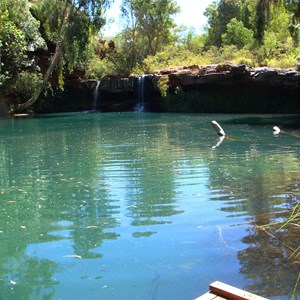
x: 99, y: 199
x: 147, y: 205
x: 267, y: 260
x: 262, y: 185
x: 270, y: 252
x: 73, y: 190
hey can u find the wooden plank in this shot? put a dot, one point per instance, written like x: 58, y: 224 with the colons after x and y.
x: 207, y: 296
x: 232, y: 293
x: 210, y: 296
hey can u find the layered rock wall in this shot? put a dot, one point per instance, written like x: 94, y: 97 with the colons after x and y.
x: 222, y: 88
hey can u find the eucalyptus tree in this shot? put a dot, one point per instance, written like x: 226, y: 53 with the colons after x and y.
x: 155, y: 19
x: 68, y: 24
x: 130, y: 33
x: 148, y: 27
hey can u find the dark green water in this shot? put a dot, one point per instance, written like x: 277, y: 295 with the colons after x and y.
x: 144, y: 206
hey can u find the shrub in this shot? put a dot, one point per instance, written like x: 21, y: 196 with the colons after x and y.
x: 163, y: 85
x: 97, y: 68
x: 237, y: 34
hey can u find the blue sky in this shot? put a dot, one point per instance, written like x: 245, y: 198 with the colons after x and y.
x: 191, y: 15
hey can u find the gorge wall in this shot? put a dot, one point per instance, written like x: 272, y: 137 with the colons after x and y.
x: 222, y: 88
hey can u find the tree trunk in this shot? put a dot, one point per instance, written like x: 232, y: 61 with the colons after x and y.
x: 53, y: 64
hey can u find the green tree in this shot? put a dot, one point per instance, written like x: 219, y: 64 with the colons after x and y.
x: 264, y: 15
x: 68, y: 24
x: 156, y: 23
x: 12, y: 46
x: 277, y: 41
x: 219, y: 15
x: 148, y: 29
x: 237, y: 34
x: 193, y: 42
x: 293, y: 6
x: 130, y: 33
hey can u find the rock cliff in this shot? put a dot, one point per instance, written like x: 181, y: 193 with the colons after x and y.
x: 222, y: 88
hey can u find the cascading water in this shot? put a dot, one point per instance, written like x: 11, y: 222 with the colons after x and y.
x: 140, y: 106
x: 96, y: 95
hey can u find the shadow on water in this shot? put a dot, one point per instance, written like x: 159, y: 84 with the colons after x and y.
x: 65, y: 114
x: 287, y: 121
x: 264, y: 195
x: 58, y: 115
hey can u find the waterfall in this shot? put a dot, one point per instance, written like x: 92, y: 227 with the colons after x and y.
x: 96, y: 92
x: 140, y: 106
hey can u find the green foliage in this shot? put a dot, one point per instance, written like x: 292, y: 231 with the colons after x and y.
x: 268, y: 28
x: 69, y: 25
x: 26, y: 83
x: 148, y: 29
x: 17, y: 12
x: 128, y: 54
x: 175, y: 56
x: 285, y: 60
x: 257, y: 32
x: 295, y: 33
x: 75, y: 35
x: 4, y: 75
x: 237, y: 34
x: 85, y: 18
x: 163, y: 85
x: 277, y: 38
x: 192, y: 42
x: 266, y: 10
x: 13, y: 43
x: 155, y: 22
x: 219, y: 15
x: 97, y: 68
x: 83, y: 13
x: 229, y: 53
x: 177, y: 101
x: 19, y: 35
x: 172, y: 56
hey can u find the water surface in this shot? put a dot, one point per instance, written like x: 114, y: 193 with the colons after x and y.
x: 145, y: 206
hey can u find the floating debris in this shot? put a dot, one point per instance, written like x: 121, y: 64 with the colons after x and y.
x: 276, y: 130
x: 218, y: 128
